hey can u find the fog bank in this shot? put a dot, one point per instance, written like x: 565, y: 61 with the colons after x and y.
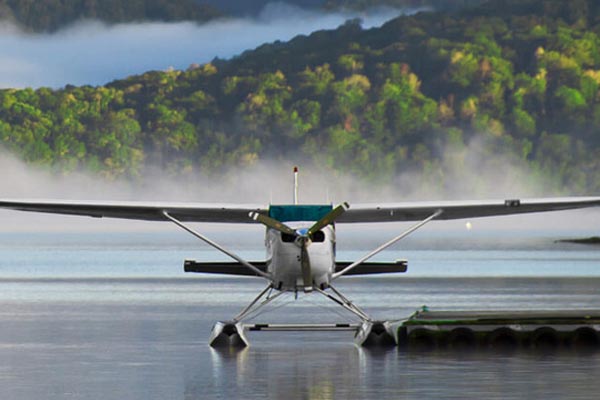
x: 272, y: 182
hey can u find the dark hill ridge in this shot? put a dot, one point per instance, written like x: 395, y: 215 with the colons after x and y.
x: 440, y: 5
x: 244, y: 7
x: 252, y: 8
x: 412, y: 95
x: 51, y: 15
x: 594, y: 240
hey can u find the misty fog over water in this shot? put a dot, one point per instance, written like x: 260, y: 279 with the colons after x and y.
x: 94, y: 53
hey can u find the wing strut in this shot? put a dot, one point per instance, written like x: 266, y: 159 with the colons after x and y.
x: 216, y: 246
x: 386, y: 245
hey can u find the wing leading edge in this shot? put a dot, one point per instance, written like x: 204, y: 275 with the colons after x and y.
x: 193, y: 212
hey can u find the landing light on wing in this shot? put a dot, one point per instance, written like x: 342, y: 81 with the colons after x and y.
x: 469, y: 225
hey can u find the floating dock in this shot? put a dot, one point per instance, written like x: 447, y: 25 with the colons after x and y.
x: 462, y: 330
x: 429, y: 330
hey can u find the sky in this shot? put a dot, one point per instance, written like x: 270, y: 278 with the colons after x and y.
x: 94, y: 53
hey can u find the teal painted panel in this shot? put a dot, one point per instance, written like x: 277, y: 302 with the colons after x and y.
x: 302, y: 212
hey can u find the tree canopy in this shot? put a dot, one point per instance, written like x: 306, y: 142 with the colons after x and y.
x: 523, y: 76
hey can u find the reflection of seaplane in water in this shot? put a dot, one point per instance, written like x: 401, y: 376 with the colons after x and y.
x: 300, y: 245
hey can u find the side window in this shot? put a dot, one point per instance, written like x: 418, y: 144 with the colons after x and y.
x: 318, y: 237
x: 287, y: 238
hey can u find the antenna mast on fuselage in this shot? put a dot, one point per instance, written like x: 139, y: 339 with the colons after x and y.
x: 296, y: 185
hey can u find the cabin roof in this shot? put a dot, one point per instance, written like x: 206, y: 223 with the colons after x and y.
x: 294, y: 212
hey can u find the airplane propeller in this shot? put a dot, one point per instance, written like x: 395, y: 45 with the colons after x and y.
x: 303, y: 236
x: 305, y: 263
x: 328, y: 218
x: 273, y: 223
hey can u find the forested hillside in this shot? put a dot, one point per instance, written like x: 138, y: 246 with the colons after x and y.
x: 50, y: 15
x: 523, y: 77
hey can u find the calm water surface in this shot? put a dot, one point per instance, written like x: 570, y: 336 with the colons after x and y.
x: 95, y: 316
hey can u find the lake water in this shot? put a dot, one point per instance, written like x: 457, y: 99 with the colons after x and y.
x: 112, y: 316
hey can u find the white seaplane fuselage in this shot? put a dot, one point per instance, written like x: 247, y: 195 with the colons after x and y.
x: 284, y: 257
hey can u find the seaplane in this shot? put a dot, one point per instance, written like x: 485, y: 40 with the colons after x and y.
x: 300, y: 243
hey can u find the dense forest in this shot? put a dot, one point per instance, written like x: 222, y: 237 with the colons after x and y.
x: 51, y: 15
x: 523, y: 77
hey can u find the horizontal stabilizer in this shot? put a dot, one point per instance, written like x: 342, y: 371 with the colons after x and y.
x: 227, y: 268
x: 369, y: 268
x: 234, y: 268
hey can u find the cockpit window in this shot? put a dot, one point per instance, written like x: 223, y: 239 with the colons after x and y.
x: 287, y: 238
x: 318, y: 237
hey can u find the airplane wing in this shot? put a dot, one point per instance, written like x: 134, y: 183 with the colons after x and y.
x: 148, y: 211
x: 418, y: 211
x: 195, y: 212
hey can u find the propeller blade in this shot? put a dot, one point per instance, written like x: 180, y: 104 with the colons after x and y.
x: 305, y: 263
x: 328, y: 218
x: 273, y: 223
